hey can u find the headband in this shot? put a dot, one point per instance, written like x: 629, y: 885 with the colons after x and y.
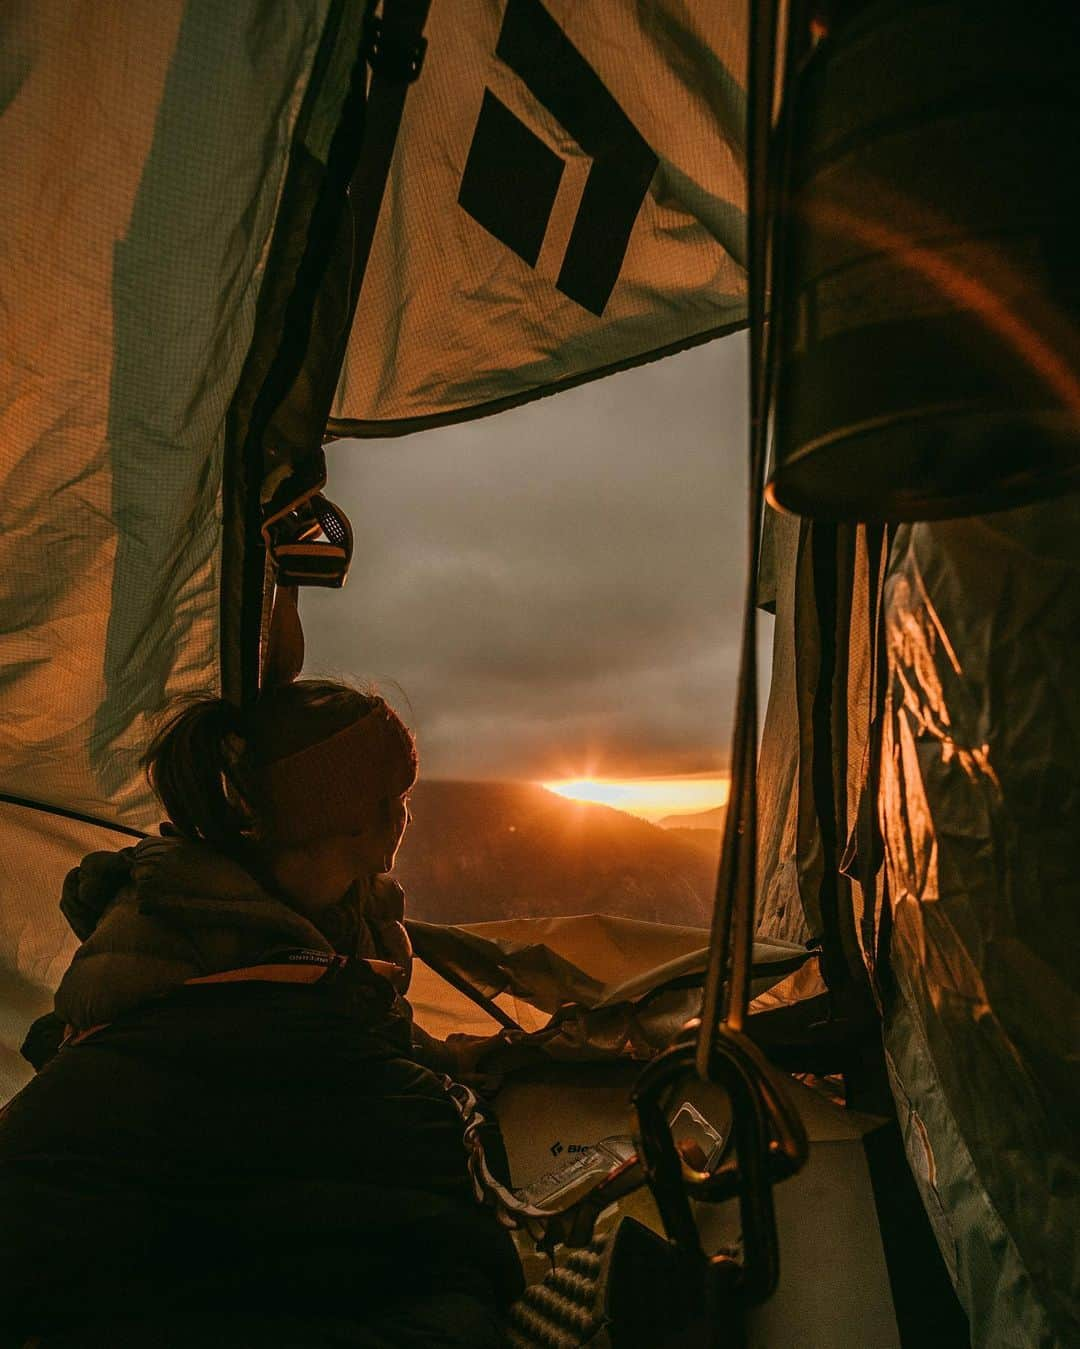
x: 322, y: 790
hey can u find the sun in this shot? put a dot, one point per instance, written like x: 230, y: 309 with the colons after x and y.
x: 650, y: 798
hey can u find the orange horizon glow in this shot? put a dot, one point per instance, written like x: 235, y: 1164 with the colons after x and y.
x: 649, y: 798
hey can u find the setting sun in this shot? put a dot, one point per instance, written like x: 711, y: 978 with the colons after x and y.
x: 651, y: 798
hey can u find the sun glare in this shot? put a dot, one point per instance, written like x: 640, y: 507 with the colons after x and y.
x: 650, y: 798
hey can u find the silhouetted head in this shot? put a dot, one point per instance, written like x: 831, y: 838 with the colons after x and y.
x: 315, y: 778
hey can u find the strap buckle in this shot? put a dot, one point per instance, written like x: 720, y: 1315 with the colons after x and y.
x: 392, y: 49
x: 301, y: 556
x: 570, y: 1223
x: 309, y: 539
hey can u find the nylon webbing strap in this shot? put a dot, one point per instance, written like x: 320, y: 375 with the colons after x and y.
x: 394, y: 46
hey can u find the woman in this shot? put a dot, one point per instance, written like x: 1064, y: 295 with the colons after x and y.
x: 237, y: 1143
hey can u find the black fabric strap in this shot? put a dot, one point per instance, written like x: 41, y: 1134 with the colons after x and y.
x: 302, y: 249
x: 394, y: 46
x: 45, y: 809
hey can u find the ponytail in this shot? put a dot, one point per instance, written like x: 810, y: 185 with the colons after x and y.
x: 197, y: 764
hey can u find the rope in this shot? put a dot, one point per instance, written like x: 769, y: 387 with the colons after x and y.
x: 725, y: 995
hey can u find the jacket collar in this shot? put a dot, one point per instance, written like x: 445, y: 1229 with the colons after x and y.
x: 194, y: 885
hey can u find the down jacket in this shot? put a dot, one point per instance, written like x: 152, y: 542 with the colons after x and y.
x: 168, y: 910
x: 237, y: 1163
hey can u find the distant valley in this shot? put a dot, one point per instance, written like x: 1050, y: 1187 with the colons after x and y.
x: 483, y: 850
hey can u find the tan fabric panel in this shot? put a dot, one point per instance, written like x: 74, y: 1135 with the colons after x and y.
x: 441, y: 1010
x: 867, y: 888
x: 36, y: 943
x: 453, y: 317
x: 595, y: 960
x: 611, y: 949
x: 74, y: 159
x: 602, y: 986
x: 143, y: 149
x: 779, y: 905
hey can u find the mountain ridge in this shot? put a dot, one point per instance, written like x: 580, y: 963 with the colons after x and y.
x: 702, y: 819
x: 482, y: 850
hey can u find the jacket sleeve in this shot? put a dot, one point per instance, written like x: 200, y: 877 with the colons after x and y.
x: 434, y: 1054
x: 42, y: 1041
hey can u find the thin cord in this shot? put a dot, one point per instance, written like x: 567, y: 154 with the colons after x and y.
x: 727, y: 978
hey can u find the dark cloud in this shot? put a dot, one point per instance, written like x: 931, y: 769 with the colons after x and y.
x: 556, y: 589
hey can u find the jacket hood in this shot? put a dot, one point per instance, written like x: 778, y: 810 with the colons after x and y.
x: 168, y: 910
x: 189, y: 883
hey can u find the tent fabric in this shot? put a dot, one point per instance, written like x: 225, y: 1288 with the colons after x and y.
x: 780, y: 912
x: 609, y: 986
x: 36, y: 943
x: 980, y: 804
x: 547, y: 217
x: 274, y: 428
x: 863, y: 852
x: 832, y: 696
x: 821, y: 582
x: 144, y: 149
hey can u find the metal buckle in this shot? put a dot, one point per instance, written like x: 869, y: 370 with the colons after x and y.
x: 571, y: 1224
x: 300, y: 556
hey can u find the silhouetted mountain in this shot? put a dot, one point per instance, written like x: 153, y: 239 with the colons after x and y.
x: 704, y: 840
x: 484, y: 850
x: 703, y: 819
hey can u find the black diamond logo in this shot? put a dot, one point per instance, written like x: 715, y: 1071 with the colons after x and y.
x: 512, y: 177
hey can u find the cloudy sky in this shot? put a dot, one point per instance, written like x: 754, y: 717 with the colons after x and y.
x: 554, y: 592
